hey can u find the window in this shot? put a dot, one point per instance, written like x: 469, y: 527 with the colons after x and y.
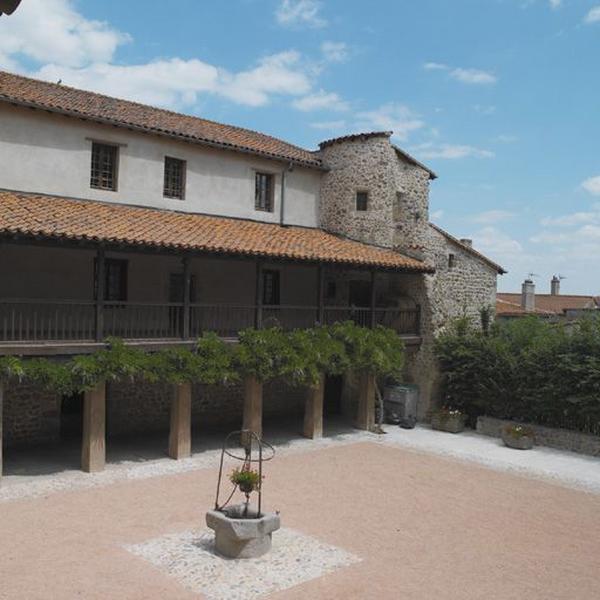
x: 174, y: 186
x: 451, y: 261
x: 263, y: 197
x: 331, y: 291
x: 271, y: 288
x: 104, y: 167
x: 362, y: 201
x: 115, y: 280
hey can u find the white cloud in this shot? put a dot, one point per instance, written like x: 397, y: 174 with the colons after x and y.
x: 574, y: 219
x: 437, y: 214
x: 321, y: 100
x: 81, y: 53
x: 390, y: 117
x: 51, y: 31
x: 334, y: 52
x: 434, y: 66
x: 300, y: 12
x: 473, y: 76
x: 592, y: 185
x: 486, y: 110
x: 497, y: 243
x: 593, y: 16
x: 491, y: 217
x: 450, y: 151
x: 555, y: 3
x: 177, y: 83
x: 329, y: 125
x: 506, y: 139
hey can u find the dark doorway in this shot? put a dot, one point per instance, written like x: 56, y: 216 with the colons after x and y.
x: 332, y: 404
x: 71, y: 417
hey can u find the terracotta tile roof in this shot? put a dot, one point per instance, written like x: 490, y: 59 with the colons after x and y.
x: 96, y: 107
x: 469, y: 249
x: 553, y: 305
x: 61, y: 218
x: 514, y: 309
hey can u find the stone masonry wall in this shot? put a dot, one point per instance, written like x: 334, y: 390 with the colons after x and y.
x: 398, y: 217
x: 30, y: 415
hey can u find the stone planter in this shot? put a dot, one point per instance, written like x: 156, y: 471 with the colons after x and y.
x: 451, y: 424
x: 242, y: 537
x: 524, y: 442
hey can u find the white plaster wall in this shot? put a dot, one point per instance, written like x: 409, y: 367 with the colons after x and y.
x: 48, y: 153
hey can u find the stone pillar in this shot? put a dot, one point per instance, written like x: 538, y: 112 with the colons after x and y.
x: 365, y: 418
x: 313, y: 410
x: 93, y: 445
x: 180, y: 435
x: 253, y: 395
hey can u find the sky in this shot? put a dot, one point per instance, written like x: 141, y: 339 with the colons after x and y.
x: 501, y: 98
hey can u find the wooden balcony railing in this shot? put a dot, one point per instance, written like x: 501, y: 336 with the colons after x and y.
x: 29, y: 320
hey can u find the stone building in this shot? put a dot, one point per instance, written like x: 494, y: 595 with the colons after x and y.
x: 120, y: 219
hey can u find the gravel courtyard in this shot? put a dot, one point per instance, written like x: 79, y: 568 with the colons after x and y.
x: 370, y: 516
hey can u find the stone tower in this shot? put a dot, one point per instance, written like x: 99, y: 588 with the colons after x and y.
x: 396, y: 186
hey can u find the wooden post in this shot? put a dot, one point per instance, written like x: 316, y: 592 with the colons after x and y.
x: 1, y: 408
x: 253, y: 396
x: 93, y: 446
x: 100, y: 282
x: 313, y: 410
x: 365, y: 418
x: 258, y: 296
x: 320, y: 293
x: 187, y: 282
x: 373, y: 281
x: 180, y: 435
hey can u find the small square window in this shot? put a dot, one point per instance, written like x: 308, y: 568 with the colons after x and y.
x: 451, y: 261
x: 174, y: 184
x: 362, y: 201
x: 263, y: 192
x: 105, y: 159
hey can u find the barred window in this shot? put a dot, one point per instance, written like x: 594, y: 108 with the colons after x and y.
x: 104, y: 167
x: 263, y: 197
x: 362, y: 201
x: 174, y: 186
x: 271, y: 288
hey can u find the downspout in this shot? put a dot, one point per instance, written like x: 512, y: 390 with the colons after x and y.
x: 290, y: 168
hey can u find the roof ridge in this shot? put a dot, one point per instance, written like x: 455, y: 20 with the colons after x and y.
x: 175, y: 113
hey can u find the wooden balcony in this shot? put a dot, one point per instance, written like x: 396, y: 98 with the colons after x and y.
x: 33, y: 321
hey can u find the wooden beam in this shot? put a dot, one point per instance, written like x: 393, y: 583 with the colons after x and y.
x: 180, y: 435
x: 365, y: 417
x: 93, y: 446
x: 253, y: 400
x: 187, y: 282
x: 313, y: 410
x: 320, y: 294
x: 373, y: 284
x: 100, y: 283
x: 258, y: 295
x: 1, y: 409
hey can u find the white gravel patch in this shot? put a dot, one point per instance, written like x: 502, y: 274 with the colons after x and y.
x: 189, y: 557
x: 564, y: 468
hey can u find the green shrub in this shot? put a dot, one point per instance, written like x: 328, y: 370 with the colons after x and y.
x: 526, y: 369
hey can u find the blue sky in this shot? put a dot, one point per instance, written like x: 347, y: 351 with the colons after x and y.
x: 500, y: 97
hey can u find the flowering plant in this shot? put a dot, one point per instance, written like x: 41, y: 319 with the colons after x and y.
x: 246, y: 479
x: 519, y: 431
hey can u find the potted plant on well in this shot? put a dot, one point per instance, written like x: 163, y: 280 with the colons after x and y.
x: 519, y: 437
x: 448, y: 419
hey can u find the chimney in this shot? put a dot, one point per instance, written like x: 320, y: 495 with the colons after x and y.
x: 555, y: 286
x: 528, y: 295
x: 466, y: 242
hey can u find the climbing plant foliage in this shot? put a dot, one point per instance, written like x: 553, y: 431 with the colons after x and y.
x: 300, y: 357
